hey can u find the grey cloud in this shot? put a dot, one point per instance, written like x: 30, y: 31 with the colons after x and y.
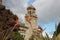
x: 17, y: 7
x: 48, y: 10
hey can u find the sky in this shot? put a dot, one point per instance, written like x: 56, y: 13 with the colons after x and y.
x: 48, y: 12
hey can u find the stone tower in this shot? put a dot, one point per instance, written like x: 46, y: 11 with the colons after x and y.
x: 30, y: 22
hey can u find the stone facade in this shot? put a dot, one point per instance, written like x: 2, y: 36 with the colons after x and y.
x: 31, y: 23
x: 31, y: 27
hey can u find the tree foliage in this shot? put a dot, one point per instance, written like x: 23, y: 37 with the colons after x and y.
x: 17, y: 36
x: 7, y: 22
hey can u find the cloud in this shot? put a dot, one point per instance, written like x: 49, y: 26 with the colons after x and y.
x: 17, y: 7
x: 48, y: 10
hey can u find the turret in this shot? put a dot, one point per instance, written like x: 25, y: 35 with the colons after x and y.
x: 30, y: 21
x: 31, y: 12
x: 31, y: 9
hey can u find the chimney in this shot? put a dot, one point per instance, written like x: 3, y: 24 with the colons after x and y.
x: 0, y: 2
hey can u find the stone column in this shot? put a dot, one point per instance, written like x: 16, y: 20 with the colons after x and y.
x: 31, y: 22
x: 28, y: 32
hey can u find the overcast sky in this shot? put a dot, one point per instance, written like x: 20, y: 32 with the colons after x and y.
x: 48, y: 12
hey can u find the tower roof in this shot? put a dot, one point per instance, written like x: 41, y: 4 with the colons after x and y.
x: 31, y: 7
